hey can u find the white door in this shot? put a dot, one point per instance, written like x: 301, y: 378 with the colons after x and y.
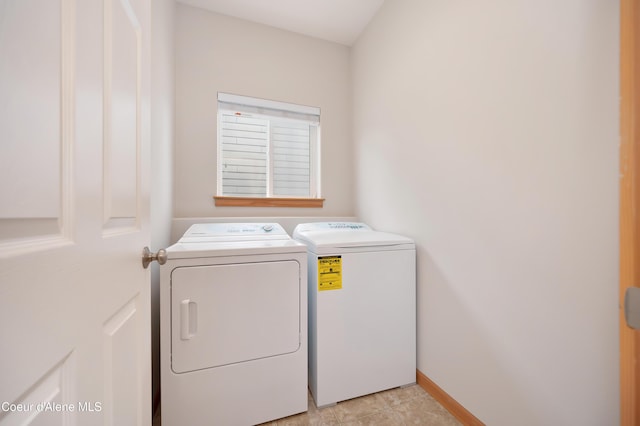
x: 74, y: 212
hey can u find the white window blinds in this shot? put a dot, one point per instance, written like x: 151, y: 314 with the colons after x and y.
x: 267, y: 148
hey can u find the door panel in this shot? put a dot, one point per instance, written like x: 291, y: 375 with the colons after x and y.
x: 122, y: 114
x: 54, y: 389
x: 225, y: 314
x: 34, y: 124
x: 121, y: 358
x: 33, y: 152
x: 74, y: 299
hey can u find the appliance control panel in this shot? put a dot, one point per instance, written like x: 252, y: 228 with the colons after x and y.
x: 223, y: 230
x: 332, y: 226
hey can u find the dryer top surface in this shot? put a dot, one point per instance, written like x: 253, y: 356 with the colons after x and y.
x: 233, y: 239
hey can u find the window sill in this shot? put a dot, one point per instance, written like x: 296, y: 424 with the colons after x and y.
x: 268, y: 202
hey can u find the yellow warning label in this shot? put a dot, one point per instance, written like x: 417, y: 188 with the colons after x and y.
x: 329, y: 273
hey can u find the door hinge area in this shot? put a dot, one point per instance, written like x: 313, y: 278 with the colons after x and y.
x: 632, y: 307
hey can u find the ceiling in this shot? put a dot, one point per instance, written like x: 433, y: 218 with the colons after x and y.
x: 340, y: 21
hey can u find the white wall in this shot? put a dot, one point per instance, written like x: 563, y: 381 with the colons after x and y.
x: 488, y: 131
x: 162, y: 129
x: 219, y: 53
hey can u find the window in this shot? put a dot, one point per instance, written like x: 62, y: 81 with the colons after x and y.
x: 267, y: 150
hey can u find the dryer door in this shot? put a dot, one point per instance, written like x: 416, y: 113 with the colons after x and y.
x: 227, y: 314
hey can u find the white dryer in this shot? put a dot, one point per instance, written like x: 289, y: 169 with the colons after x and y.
x: 362, y: 310
x: 233, y: 326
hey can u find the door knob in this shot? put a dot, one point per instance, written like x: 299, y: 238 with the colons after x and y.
x: 148, y: 257
x: 632, y: 307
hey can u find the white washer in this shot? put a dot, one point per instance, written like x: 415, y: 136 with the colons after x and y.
x: 362, y: 310
x: 233, y: 326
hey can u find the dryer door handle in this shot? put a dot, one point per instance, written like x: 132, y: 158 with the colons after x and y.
x: 188, y: 319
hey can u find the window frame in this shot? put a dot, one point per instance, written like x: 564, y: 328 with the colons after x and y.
x: 315, y: 200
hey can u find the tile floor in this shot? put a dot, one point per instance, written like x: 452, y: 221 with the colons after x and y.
x: 396, y: 407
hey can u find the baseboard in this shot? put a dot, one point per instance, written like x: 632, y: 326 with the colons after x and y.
x: 453, y: 406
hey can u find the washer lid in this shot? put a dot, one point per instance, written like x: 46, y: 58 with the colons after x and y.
x: 320, y: 237
x: 221, y: 232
